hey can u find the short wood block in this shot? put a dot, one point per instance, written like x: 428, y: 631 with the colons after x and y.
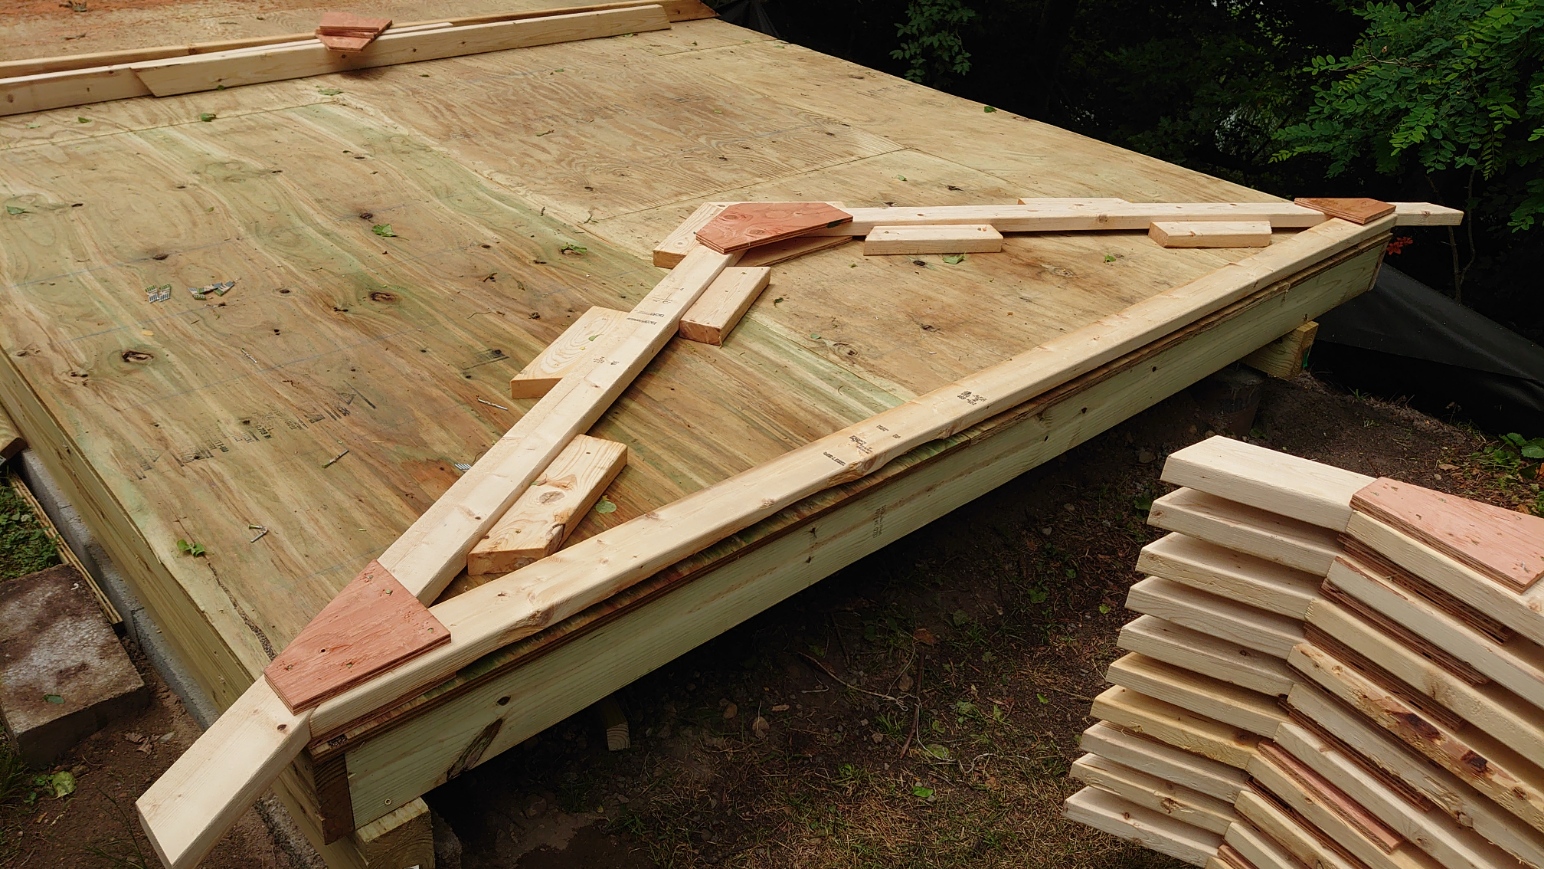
x: 566, y: 354
x: 344, y: 31
x: 11, y: 441
x: 1246, y: 529
x: 1221, y: 233
x: 1505, y: 545
x: 1200, y: 774
x: 1122, y: 818
x: 545, y: 514
x: 969, y: 238
x: 711, y: 318
x: 748, y: 224
x: 63, y: 673
x: 1359, y: 211
x: 404, y: 838
x: 373, y: 624
x: 1283, y: 358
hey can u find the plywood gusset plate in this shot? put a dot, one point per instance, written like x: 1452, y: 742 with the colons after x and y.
x: 186, y: 810
x: 749, y: 224
x: 1358, y: 211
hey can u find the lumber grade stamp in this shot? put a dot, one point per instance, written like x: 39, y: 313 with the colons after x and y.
x: 748, y: 224
x: 1505, y: 545
x: 372, y: 625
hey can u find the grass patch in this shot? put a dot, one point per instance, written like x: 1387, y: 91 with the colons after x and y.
x: 24, y: 545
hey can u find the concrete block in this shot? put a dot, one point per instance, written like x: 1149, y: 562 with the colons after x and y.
x: 63, y: 673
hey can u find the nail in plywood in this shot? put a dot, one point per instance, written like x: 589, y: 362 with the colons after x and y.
x: 1176, y: 727
x: 1233, y: 575
x: 566, y: 354
x: 1297, y: 488
x: 372, y: 625
x: 1219, y: 233
x: 1283, y: 358
x: 748, y: 224
x: 1124, y: 819
x: 1505, y: 545
x: 1200, y: 774
x: 962, y: 238
x: 1248, y: 626
x: 345, y: 31
x: 1256, y: 532
x: 545, y: 514
x: 723, y: 303
x: 1357, y: 211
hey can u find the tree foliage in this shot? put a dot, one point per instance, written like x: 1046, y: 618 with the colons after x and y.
x: 1448, y: 86
x: 931, y: 46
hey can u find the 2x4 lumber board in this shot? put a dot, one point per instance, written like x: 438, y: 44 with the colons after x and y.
x: 1517, y: 665
x: 1074, y: 215
x: 1314, y: 807
x: 1283, y: 358
x: 1435, y: 833
x: 1228, y: 857
x: 1426, y: 214
x: 1190, y: 771
x: 1180, y: 728
x: 1216, y: 233
x: 744, y: 225
x: 372, y: 625
x: 916, y: 240
x: 726, y: 300
x: 542, y: 594
x: 1378, y: 749
x: 1522, y: 612
x: 1206, y: 653
x: 1154, y: 794
x: 545, y: 514
x: 1270, y: 836
x: 403, y: 838
x: 568, y: 353
x: 1504, y: 545
x: 677, y: 10
x: 1252, y: 628
x: 1246, y: 529
x: 403, y: 751
x: 1230, y: 574
x: 209, y: 72
x: 1489, y: 707
x: 1297, y: 488
x: 1124, y: 819
x: 1297, y: 785
x: 1491, y: 768
x: 1237, y: 707
x: 187, y: 809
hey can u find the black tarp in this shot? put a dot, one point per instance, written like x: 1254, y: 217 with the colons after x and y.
x: 1403, y: 339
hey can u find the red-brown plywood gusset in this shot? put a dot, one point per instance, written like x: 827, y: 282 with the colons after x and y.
x: 1505, y: 545
x: 372, y: 625
x: 1358, y: 211
x: 748, y: 224
x: 344, y: 31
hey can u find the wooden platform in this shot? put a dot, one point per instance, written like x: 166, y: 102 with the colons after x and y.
x: 332, y: 393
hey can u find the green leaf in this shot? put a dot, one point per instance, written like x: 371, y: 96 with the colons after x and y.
x: 574, y: 249
x: 1109, y: 257
x: 1104, y: 609
x: 1044, y: 700
x: 604, y: 505
x: 922, y: 792
x: 62, y: 783
x: 1533, y: 451
x: 954, y: 259
x: 53, y: 698
x: 988, y: 109
x: 940, y: 752
x: 82, y: 120
x: 383, y: 230
x: 329, y: 92
x: 900, y: 177
x: 11, y: 209
x: 206, y: 117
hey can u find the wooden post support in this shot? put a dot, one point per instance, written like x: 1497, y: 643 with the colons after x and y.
x: 11, y: 441
x: 1283, y: 358
x: 614, y: 722
x: 403, y: 839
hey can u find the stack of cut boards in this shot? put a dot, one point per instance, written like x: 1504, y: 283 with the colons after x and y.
x: 1328, y: 671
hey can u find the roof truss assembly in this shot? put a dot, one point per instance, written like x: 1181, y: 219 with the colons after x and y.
x: 185, y: 812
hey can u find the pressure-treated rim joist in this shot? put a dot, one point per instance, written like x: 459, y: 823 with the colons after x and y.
x: 185, y: 811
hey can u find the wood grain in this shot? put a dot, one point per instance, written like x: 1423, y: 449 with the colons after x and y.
x: 544, y: 515
x: 744, y: 225
x: 1354, y: 210
x: 1200, y: 774
x: 722, y: 305
x: 1505, y: 545
x: 1245, y: 529
x: 1124, y: 819
x: 373, y: 624
x: 968, y: 238
x: 1267, y: 480
x: 1284, y: 357
x: 593, y: 330
x: 1229, y: 233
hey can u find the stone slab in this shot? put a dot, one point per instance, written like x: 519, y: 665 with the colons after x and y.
x: 63, y: 673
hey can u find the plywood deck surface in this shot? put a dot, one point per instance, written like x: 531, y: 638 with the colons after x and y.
x: 192, y: 420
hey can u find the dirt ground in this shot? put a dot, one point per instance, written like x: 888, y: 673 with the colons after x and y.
x: 919, y: 708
